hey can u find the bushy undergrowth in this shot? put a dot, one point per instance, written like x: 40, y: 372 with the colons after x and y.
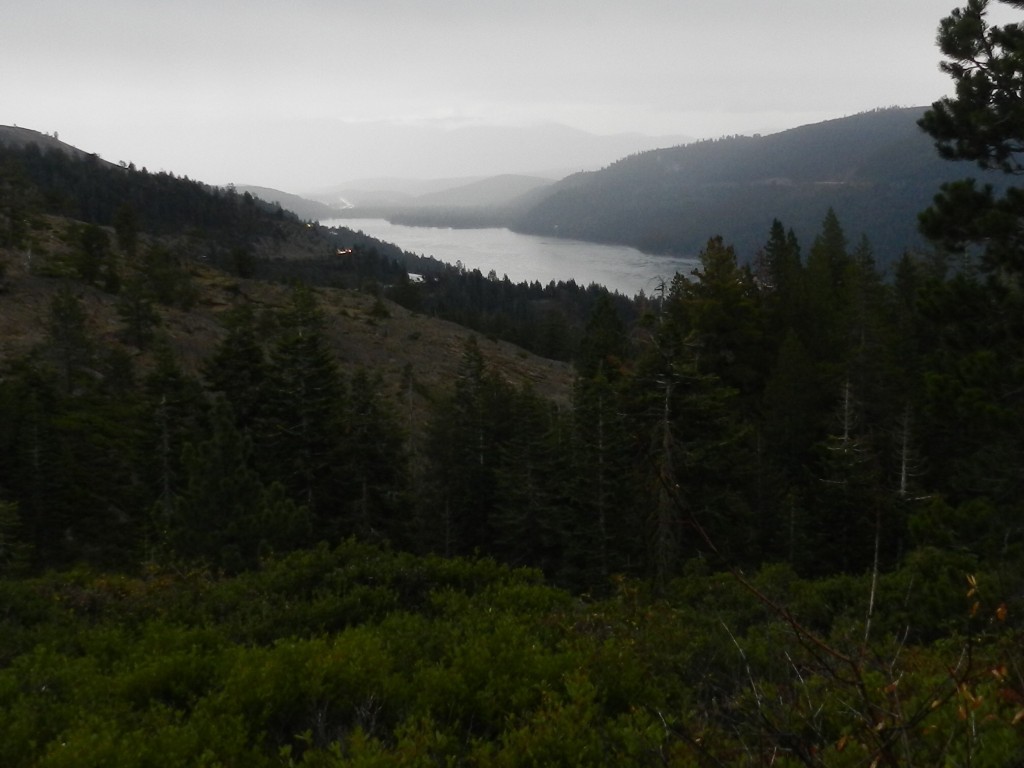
x: 360, y: 656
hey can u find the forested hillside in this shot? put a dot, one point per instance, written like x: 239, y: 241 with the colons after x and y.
x: 258, y: 507
x: 876, y: 170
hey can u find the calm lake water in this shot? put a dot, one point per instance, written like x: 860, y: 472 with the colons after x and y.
x: 528, y: 257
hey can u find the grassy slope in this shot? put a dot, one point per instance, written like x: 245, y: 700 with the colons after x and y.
x: 360, y: 336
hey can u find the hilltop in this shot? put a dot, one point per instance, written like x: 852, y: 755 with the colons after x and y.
x: 304, y: 208
x: 16, y: 137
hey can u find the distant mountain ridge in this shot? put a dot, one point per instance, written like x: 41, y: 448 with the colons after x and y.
x: 489, y: 193
x: 393, y: 194
x: 384, y: 149
x: 877, y: 170
x: 494, y: 190
x: 308, y: 210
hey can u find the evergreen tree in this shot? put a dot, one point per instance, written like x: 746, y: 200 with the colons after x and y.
x: 19, y: 202
x: 792, y: 405
x: 72, y: 463
x: 223, y: 512
x: 126, y: 227
x: 93, y: 252
x: 463, y: 451
x: 849, y: 501
x: 974, y: 389
x: 375, y: 466
x: 70, y: 343
x: 604, y: 347
x: 239, y: 369
x: 983, y: 122
x: 692, y: 449
x: 167, y: 277
x: 823, y: 323
x: 31, y: 461
x: 603, y: 521
x: 721, y: 312
x: 242, y: 261
x: 974, y: 380
x: 871, y: 365
x: 174, y: 411
x: 98, y: 437
x: 780, y: 265
x: 529, y: 521
x: 136, y: 310
x: 781, y: 279
x: 300, y: 431
x: 601, y: 512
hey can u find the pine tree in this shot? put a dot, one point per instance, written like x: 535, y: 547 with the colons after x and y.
x: 463, y: 453
x: 375, y: 465
x: 822, y: 324
x: 780, y: 265
x: 126, y: 226
x: 692, y: 450
x: 238, y: 368
x: 603, y: 523
x: 19, y: 202
x: 983, y: 122
x: 31, y: 465
x: 223, y: 512
x: 136, y: 310
x: 871, y: 364
x: 849, y: 503
x: 73, y: 465
x: 792, y: 401
x: 600, y: 514
x: 974, y: 390
x: 974, y: 380
x: 299, y: 434
x: 70, y: 344
x: 174, y: 415
x: 781, y: 279
x: 529, y: 517
x: 604, y: 347
x: 167, y: 277
x: 93, y: 252
x: 720, y: 311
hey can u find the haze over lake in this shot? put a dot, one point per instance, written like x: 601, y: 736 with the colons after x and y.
x: 529, y: 257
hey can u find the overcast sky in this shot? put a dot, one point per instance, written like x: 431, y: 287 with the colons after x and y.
x: 250, y: 92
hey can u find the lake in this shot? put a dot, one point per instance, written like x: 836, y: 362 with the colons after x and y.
x: 529, y: 257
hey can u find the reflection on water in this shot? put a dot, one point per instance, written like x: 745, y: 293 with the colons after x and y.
x: 529, y: 257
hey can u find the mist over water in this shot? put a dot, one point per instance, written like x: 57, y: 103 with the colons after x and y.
x: 528, y: 257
